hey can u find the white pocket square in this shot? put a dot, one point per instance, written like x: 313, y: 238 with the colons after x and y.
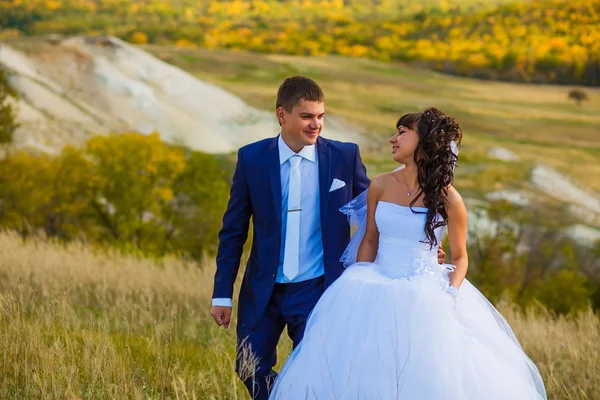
x: 336, y: 184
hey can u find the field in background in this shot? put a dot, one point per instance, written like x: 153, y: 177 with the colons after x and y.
x: 537, y: 122
x: 78, y: 323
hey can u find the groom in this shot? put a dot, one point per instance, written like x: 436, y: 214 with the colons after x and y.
x: 292, y: 186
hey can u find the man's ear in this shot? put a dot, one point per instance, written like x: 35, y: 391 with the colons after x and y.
x: 280, y: 115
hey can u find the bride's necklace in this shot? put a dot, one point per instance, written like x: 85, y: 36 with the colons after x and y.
x: 410, y: 191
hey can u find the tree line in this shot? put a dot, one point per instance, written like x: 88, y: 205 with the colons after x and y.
x: 554, y: 41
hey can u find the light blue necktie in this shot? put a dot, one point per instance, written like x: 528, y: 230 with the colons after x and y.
x: 291, y: 255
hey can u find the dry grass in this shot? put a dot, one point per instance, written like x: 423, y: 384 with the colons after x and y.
x: 77, y: 323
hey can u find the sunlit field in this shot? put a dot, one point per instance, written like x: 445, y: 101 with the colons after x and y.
x: 79, y: 323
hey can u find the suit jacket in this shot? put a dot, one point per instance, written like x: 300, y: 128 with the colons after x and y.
x: 256, y: 192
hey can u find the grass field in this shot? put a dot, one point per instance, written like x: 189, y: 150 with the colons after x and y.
x: 537, y: 122
x: 77, y: 323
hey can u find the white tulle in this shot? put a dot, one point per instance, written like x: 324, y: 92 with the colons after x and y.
x: 388, y: 330
x: 356, y: 212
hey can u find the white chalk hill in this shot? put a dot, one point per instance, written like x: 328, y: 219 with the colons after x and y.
x: 85, y: 86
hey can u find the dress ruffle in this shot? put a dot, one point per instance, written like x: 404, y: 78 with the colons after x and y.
x: 372, y: 336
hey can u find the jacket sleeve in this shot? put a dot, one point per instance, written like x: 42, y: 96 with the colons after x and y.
x: 233, y: 234
x: 361, y: 181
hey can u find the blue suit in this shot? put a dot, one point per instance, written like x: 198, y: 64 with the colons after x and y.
x: 265, y: 308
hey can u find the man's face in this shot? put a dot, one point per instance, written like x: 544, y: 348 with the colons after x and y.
x: 302, y: 126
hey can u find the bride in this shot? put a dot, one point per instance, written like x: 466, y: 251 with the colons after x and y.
x: 396, y: 324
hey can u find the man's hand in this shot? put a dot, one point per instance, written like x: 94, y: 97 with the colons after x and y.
x: 221, y: 315
x: 441, y: 256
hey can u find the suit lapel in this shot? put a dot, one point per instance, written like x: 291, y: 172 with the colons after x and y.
x: 272, y: 159
x: 324, y: 178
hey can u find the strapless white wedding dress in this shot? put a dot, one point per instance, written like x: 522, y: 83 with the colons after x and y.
x: 389, y: 330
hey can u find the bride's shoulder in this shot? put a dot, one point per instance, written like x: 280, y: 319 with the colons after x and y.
x: 380, y: 181
x: 378, y: 184
x: 453, y: 199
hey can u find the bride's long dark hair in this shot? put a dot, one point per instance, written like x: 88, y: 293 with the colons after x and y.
x: 435, y: 162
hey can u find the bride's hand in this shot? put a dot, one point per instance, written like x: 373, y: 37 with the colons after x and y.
x: 441, y: 255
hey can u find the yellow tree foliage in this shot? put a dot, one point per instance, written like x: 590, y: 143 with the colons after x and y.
x: 25, y: 190
x: 185, y: 43
x: 543, y: 41
x: 133, y: 177
x: 138, y: 38
x: 127, y: 190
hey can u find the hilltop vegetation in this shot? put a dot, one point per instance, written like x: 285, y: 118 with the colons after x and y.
x: 555, y: 41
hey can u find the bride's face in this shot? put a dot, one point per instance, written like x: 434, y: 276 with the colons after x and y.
x: 404, y: 143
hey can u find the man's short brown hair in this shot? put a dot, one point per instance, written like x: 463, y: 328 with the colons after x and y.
x: 296, y: 88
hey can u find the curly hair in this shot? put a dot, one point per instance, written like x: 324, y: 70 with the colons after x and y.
x: 435, y: 162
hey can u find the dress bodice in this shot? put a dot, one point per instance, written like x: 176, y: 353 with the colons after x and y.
x: 401, y: 251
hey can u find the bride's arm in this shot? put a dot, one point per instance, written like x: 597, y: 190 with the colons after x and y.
x: 457, y: 233
x: 370, y: 242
